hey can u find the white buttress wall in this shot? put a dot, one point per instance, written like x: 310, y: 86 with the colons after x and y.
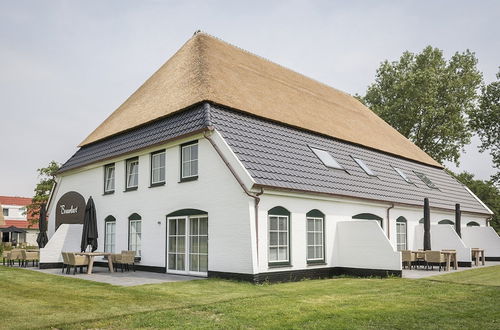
x: 216, y: 192
x: 483, y: 238
x: 443, y: 237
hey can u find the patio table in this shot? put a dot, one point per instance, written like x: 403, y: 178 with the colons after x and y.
x: 449, y: 255
x: 477, y: 253
x: 92, y: 255
x: 419, y: 256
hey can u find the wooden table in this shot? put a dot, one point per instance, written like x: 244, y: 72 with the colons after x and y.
x: 417, y: 258
x: 476, y: 253
x: 450, y: 255
x: 92, y: 255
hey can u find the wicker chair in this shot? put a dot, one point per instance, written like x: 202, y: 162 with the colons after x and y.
x: 26, y: 257
x: 434, y: 258
x: 408, y: 258
x: 4, y: 256
x: 13, y: 256
x: 124, y: 260
x: 77, y: 261
x: 65, y: 264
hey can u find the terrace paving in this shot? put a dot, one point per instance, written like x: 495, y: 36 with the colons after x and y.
x: 423, y: 273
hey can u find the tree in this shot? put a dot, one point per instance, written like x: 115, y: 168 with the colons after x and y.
x: 427, y: 99
x: 486, y: 122
x: 487, y: 192
x: 42, y: 189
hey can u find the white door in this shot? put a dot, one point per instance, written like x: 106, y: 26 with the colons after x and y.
x: 187, y: 245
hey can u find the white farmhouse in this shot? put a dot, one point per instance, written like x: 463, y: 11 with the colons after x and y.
x: 225, y: 164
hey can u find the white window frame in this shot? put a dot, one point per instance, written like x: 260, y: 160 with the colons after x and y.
x: 109, y: 237
x: 129, y: 162
x: 401, y: 244
x: 279, y: 246
x: 159, y: 169
x: 109, y: 180
x: 314, y: 243
x: 189, y: 161
x: 135, y: 245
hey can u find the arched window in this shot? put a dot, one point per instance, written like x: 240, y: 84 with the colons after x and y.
x: 421, y: 220
x: 279, y: 236
x: 401, y: 234
x: 109, y: 234
x: 472, y: 224
x: 368, y: 216
x: 446, y: 222
x: 135, y: 233
x: 315, y: 228
x: 187, y: 246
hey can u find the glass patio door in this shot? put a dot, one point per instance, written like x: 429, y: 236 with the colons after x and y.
x: 187, y: 251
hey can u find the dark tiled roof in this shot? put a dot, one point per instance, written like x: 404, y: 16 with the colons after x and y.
x: 280, y: 156
x: 176, y: 125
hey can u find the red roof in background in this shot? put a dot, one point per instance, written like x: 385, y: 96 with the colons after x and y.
x: 19, y: 224
x: 10, y: 200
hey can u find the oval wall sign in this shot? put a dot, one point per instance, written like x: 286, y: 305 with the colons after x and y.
x: 70, y: 209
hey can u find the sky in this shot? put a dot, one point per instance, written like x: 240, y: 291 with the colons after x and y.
x: 67, y: 65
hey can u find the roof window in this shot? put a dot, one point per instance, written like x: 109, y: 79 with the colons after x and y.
x: 426, y: 180
x: 364, y: 166
x: 327, y: 159
x: 402, y: 174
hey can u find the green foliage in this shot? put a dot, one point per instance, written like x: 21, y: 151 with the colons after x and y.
x: 487, y: 192
x: 486, y: 122
x: 42, y: 189
x: 427, y: 99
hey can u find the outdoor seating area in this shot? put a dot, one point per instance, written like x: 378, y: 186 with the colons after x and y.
x: 22, y: 256
x: 74, y: 260
x: 429, y: 259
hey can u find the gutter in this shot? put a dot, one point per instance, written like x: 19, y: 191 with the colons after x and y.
x: 208, y: 135
x: 389, y: 222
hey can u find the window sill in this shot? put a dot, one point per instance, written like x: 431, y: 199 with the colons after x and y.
x: 316, y: 263
x: 108, y: 193
x: 130, y: 189
x: 158, y: 184
x: 191, y: 178
x: 279, y: 265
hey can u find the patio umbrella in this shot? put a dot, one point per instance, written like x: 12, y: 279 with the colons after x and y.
x: 427, y: 225
x: 89, y: 233
x: 42, y: 226
x: 458, y: 220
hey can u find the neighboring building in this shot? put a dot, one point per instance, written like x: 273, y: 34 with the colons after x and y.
x: 226, y: 164
x: 14, y: 214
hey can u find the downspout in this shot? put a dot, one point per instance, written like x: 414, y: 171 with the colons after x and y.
x: 389, y: 222
x: 207, y: 134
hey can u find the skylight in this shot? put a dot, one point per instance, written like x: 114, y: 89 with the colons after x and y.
x: 364, y: 166
x: 426, y: 180
x: 402, y: 174
x: 327, y: 159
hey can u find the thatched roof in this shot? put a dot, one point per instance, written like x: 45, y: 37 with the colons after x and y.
x: 208, y: 69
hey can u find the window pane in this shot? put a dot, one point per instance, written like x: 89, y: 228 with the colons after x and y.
x: 171, y: 261
x: 283, y: 254
x: 203, y: 263
x: 172, y: 227
x: 181, y: 229
x: 186, y: 154
x: 273, y: 254
x: 172, y: 241
x: 194, y: 151
x: 193, y: 262
x: 283, y: 238
x: 310, y: 225
x: 180, y: 261
x: 318, y: 238
x: 181, y: 243
x: 203, y: 244
x: 186, y: 170
x: 194, y: 227
x: 310, y: 252
x: 193, y: 244
x: 194, y: 167
x: 319, y: 225
x: 203, y: 226
x: 310, y: 238
x: 319, y: 252
x: 273, y: 238
x: 283, y: 223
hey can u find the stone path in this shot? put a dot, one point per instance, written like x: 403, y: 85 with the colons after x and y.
x: 422, y: 273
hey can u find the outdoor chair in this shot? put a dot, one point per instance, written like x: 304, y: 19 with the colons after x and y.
x: 26, y: 257
x: 13, y: 256
x: 77, y: 261
x: 124, y: 260
x: 408, y: 258
x: 4, y: 256
x: 65, y: 264
x: 434, y: 258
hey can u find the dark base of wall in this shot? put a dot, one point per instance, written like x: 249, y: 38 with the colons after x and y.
x: 297, y: 275
x: 49, y: 265
x: 492, y: 258
x: 464, y: 264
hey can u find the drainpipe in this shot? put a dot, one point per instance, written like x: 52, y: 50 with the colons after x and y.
x: 207, y: 134
x: 388, y: 221
x: 458, y: 220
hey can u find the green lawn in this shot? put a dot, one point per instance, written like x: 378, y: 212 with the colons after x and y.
x: 467, y: 299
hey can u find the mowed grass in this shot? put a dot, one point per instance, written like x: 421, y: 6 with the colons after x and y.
x: 467, y: 299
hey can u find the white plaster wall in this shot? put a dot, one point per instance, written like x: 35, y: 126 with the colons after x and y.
x: 16, y: 212
x: 66, y: 239
x: 483, y: 238
x: 31, y: 236
x: 363, y: 244
x: 443, y: 237
x: 216, y: 192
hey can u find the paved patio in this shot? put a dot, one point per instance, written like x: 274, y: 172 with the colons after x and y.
x: 422, y: 273
x: 130, y: 278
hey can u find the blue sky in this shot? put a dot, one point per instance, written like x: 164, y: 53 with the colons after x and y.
x: 66, y: 65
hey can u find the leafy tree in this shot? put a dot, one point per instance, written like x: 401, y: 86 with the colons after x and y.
x: 486, y: 122
x: 42, y: 189
x: 427, y: 99
x: 487, y: 192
